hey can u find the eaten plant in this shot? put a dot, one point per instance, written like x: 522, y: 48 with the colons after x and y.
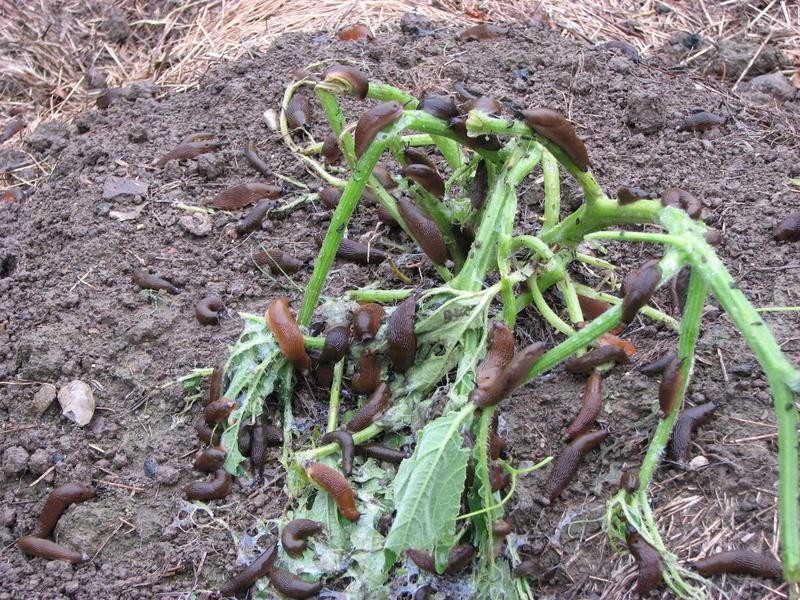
x: 432, y: 371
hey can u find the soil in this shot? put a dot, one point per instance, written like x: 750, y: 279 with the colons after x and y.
x: 68, y: 310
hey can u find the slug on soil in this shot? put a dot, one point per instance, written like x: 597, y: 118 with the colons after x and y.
x: 510, y: 377
x: 296, y: 533
x: 57, y: 502
x: 207, y: 311
x: 337, y: 486
x: 292, y: 586
x: 146, y: 281
x: 684, y: 200
x: 251, y: 154
x: 670, y: 386
x: 700, y: 121
x: 400, y: 337
x: 217, y: 488
x: 251, y: 573
x: 627, y: 49
x: 648, y: 562
x: 254, y: 217
x: 205, y: 432
x: 591, y: 403
x: 210, y: 459
x: 355, y: 33
x: 356, y: 252
x: 188, y: 150
x: 788, y: 230
x: 329, y: 197
x: 552, y: 125
x: 331, y: 151
x: 566, y: 464
x: 243, y: 194
x: 484, y: 31
x: 283, y: 326
x: 686, y: 424
x: 501, y: 528
x: 372, y: 121
x: 739, y: 562
x: 36, y: 546
x: 278, y: 261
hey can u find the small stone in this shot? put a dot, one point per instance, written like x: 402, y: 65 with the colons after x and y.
x: 212, y: 165
x: 744, y: 369
x: 116, y: 26
x: 168, y: 475
x: 415, y: 24
x: 43, y: 398
x: 40, y: 462
x: 77, y: 402
x: 118, y: 188
x: 772, y: 84
x: 198, y: 224
x: 698, y: 462
x: 102, y: 208
x: 8, y: 516
x: 150, y: 467
x: 15, y: 460
x: 137, y: 134
x: 120, y: 460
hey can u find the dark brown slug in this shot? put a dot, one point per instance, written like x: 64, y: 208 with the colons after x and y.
x: 648, y: 563
x: 595, y: 358
x: 215, y: 383
x: 207, y: 311
x: 627, y: 49
x: 679, y: 287
x: 329, y: 197
x: 216, y: 489
x: 258, y: 446
x: 210, y: 459
x: 417, y: 157
x: 345, y: 441
x: 218, y: 411
x: 500, y: 478
x: 369, y: 373
x: 739, y: 562
x: 484, y: 31
x: 205, y: 432
x: 273, y: 435
x: 372, y: 121
x: 298, y: 113
x: 568, y: 461
x: 401, y: 340
x: 670, y: 386
x: 146, y: 281
x: 552, y: 125
x: 296, y: 533
x: 511, y: 376
x: 283, y: 326
x: 367, y: 321
x: 355, y: 82
x: 57, y: 502
x: 684, y: 200
x: 370, y: 412
x: 480, y: 186
x: 458, y: 558
x: 337, y: 486
x: 424, y: 230
x: 788, y: 230
x: 36, y: 546
x: 499, y: 353
x: 292, y: 586
x: 254, y: 217
x: 245, y: 439
x: 485, y: 142
x: 655, y: 368
x: 591, y: 403
x: 629, y: 480
x: 592, y: 307
x: 629, y: 195
x: 381, y: 453
x: 686, y: 424
x: 243, y: 194
x: 188, y: 150
x: 278, y: 261
x: 700, y: 121
x: 427, y: 177
x: 251, y: 573
x: 337, y: 343
x: 713, y: 236
x: 331, y: 151
x: 638, y: 287
x: 501, y: 528
x: 441, y: 107
x: 384, y: 177
x: 251, y: 154
x: 356, y: 252
x: 484, y: 104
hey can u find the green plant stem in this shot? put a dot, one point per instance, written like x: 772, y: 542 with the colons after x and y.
x: 337, y: 121
x: 593, y: 261
x: 313, y: 343
x: 359, y: 437
x: 647, y: 311
x: 382, y: 296
x: 544, y: 309
x: 336, y: 388
x: 552, y: 191
x: 567, y: 289
x: 384, y: 92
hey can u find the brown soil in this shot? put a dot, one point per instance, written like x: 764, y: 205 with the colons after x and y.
x: 68, y: 310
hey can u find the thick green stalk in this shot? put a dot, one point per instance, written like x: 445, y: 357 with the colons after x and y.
x: 384, y: 92
x: 337, y: 121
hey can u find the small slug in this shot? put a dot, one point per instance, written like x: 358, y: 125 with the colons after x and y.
x: 714, y: 238
x: 12, y: 128
x: 627, y: 49
x: 57, y: 502
x: 480, y: 186
x: 188, y: 150
x: 292, y: 586
x: 36, y: 546
x: 216, y: 489
x: 356, y: 252
x: 458, y: 558
x: 298, y: 113
x: 401, y: 341
x: 329, y: 197
x: 684, y: 200
x: 595, y: 358
x: 424, y: 230
x: 629, y: 195
x: 369, y: 373
x: 355, y: 82
x: 258, y: 447
x: 245, y: 439
x: 679, y: 287
x: 210, y: 459
x: 591, y: 403
x: 278, y: 261
x: 500, y: 478
x: 592, y: 307
x: 345, y: 441
x: 638, y: 287
x: 370, y: 412
x: 218, y: 411
x: 511, y: 376
x: 251, y: 154
x: 337, y: 486
x: 648, y: 563
x: 290, y: 339
x: 243, y: 194
x: 207, y: 311
x: 657, y: 367
x: 427, y: 177
x: 355, y: 33
x: 788, y: 230
x: 670, y: 386
x: 367, y: 321
x: 465, y: 93
x: 331, y: 151
x: 441, y: 107
x: 205, y: 432
x: 501, y: 528
x: 608, y: 339
x: 568, y: 461
x: 484, y: 104
x: 739, y: 562
x: 385, y: 217
x: 417, y: 157
x: 486, y: 142
x: 215, y: 383
x: 499, y: 353
x: 296, y: 533
x: 384, y: 178
x: 337, y: 343
x: 254, y: 217
x: 629, y: 480
x: 552, y: 125
x: 484, y: 31
x: 686, y: 424
x: 251, y: 573
x: 528, y: 568
x: 496, y: 445
x: 700, y: 121
x: 381, y: 453
x: 372, y: 121
x: 146, y: 281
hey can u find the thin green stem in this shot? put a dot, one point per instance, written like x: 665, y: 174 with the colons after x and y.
x: 571, y: 299
x: 336, y: 388
x: 359, y: 437
x: 382, y: 296
x: 544, y: 309
x: 647, y: 311
x: 552, y: 191
x: 593, y: 261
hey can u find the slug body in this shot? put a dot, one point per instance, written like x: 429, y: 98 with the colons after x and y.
x: 629, y: 480
x: 592, y: 307
x: 367, y: 321
x: 460, y: 556
x: 568, y: 461
x: 278, y: 261
x: 501, y: 528
x: 146, y: 281
x: 484, y: 31
x: 337, y: 486
x: 684, y: 200
x: 243, y: 194
x: 486, y: 142
x: 629, y: 195
x: 424, y: 230
x: 218, y: 411
x: 372, y: 121
x: 254, y: 217
x: 251, y: 154
x: 484, y: 104
x: 369, y: 373
x: 187, y: 151
x: 701, y: 121
x: 498, y: 355
x: 357, y: 252
x: 329, y: 196
x: 500, y: 478
x: 353, y: 80
x: 591, y: 403
x: 251, y: 573
x: 427, y: 177
x: 417, y: 157
x: 740, y: 562
x: 205, y: 432
x: 290, y: 339
x: 648, y: 563
x: 331, y: 151
x: 298, y: 113
x: 210, y: 459
x: 679, y: 287
x: 345, y: 441
x: 657, y: 367
x: 215, y: 384
x: 207, y: 311
x: 374, y: 407
x: 36, y: 546
x: 552, y: 125
x: 216, y: 489
x: 511, y: 376
x: 355, y: 33
x: 400, y: 337
x: 638, y: 288
x: 788, y: 230
x: 57, y: 502
x: 296, y: 533
x: 292, y: 586
x: 686, y: 424
x: 670, y: 386
x: 595, y: 358
x: 258, y: 447
x: 441, y: 107
x: 337, y: 343
x: 480, y: 186
x: 381, y: 453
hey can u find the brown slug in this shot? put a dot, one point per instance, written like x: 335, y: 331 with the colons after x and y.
x: 188, y: 150
x: 552, y: 125
x: 381, y: 453
x: 648, y: 563
x: 679, y: 287
x: 370, y: 412
x: 500, y: 478
x: 258, y: 446
x: 686, y: 424
x: 485, y: 142
x: 401, y: 341
x: 111, y: 95
x: 331, y: 151
x: 657, y: 367
x: 458, y: 558
x: 629, y: 195
x: 372, y: 121
x: 427, y: 177
x: 207, y: 311
x: 367, y: 321
x: 627, y: 49
x: 356, y: 252
x: 295, y: 534
x: 569, y: 459
x: 57, y: 502
x: 337, y: 486
x: 384, y: 177
x: 417, y: 157
x: 251, y: 573
x: 245, y: 439
x: 638, y: 287
x: 283, y: 326
x: 480, y: 186
x: 355, y: 33
x: 218, y: 411
x: 501, y: 528
x: 216, y: 489
x: 592, y: 307
x: 278, y: 261
x: 205, y: 432
x: 591, y: 403
x: 337, y: 343
x: 243, y: 194
x: 354, y: 81
x: 528, y: 568
x: 254, y: 217
x: 499, y: 353
x: 424, y: 230
x: 345, y: 441
x: 298, y: 113
x: 484, y: 104
x: 713, y: 237
x: 36, y: 546
x: 629, y: 480
x: 484, y: 31
x: 292, y: 586
x: 329, y: 197
x: 670, y: 386
x: 215, y: 383
x: 385, y: 217
x: 251, y: 154
x: 510, y: 378
x: 441, y: 107
x: 684, y: 200
x: 595, y: 358
x: 210, y: 459
x: 739, y: 562
x: 700, y: 121
x: 788, y: 230
x: 368, y: 376
x: 146, y: 281
x: 273, y: 436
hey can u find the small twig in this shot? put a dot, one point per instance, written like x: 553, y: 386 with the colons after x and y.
x: 42, y: 476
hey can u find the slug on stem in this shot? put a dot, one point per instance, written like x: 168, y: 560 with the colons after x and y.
x: 484, y: 31
x: 295, y: 534
x: 215, y: 384
x: 501, y: 528
x: 337, y: 343
x: 188, y: 150
x: 298, y: 113
x: 485, y: 104
x: 372, y: 121
x: 424, y: 230
x: 427, y: 177
x: 352, y: 81
x: 331, y: 151
x: 460, y: 556
x: 480, y: 186
x: 417, y: 157
x: 638, y: 287
x: 400, y: 337
x: 657, y: 367
x: 510, y: 377
x: 552, y: 125
x: 629, y: 480
x: 374, y: 407
x: 292, y: 586
x: 499, y: 353
x: 210, y: 459
x: 648, y: 562
x: 356, y: 252
x: 684, y: 200
x: 629, y: 195
x: 251, y: 573
x: 591, y: 403
x: 283, y: 326
x: 367, y: 321
x: 217, y: 411
x: 205, y: 432
x: 670, y: 386
x: 441, y: 107
x: 595, y: 358
x: 381, y: 453
x: 686, y: 424
x: 278, y: 261
x: 337, y: 486
x: 369, y: 373
x: 207, y: 311
x: 345, y: 441
x: 568, y: 461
